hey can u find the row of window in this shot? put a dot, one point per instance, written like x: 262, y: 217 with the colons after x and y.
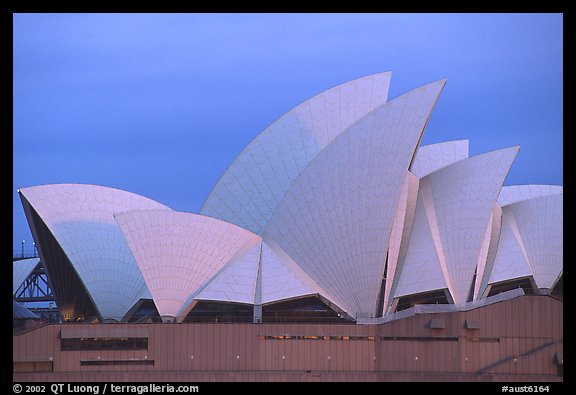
x: 121, y: 343
x: 297, y: 337
x: 122, y: 362
x: 37, y: 366
x: 484, y: 339
x: 370, y: 338
x: 134, y: 343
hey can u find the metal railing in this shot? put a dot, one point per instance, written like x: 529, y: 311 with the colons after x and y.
x: 442, y: 308
x: 17, y: 255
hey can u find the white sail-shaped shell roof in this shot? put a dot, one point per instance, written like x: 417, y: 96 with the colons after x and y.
x: 452, y: 217
x: 531, y: 241
x: 249, y: 191
x: 428, y: 158
x: 236, y: 282
x: 517, y: 193
x: 81, y: 218
x: 180, y: 253
x: 283, y: 279
x: 433, y: 157
x: 336, y: 218
x: 336, y: 199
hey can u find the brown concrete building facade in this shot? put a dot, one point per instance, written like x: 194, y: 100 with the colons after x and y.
x: 520, y: 339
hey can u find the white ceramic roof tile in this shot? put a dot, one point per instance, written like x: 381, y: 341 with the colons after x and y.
x: 251, y: 188
x: 421, y: 270
x: 81, y: 219
x: 483, y: 255
x: 485, y: 269
x: 336, y: 218
x: 401, y: 226
x: 179, y: 253
x: 464, y: 194
x: 393, y: 277
x: 428, y: 159
x: 328, y: 187
x: 516, y: 193
x: 236, y: 282
x: 511, y: 260
x: 20, y: 270
x: 540, y: 224
x: 433, y: 157
x: 282, y: 278
x: 278, y: 281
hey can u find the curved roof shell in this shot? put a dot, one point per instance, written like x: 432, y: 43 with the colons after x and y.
x: 336, y: 218
x: 488, y: 252
x: 511, y: 259
x: 187, y: 257
x: 262, y: 267
x: 452, y: 216
x: 249, y: 191
x: 428, y: 158
x: 433, y: 157
x: 236, y: 282
x: 517, y: 193
x: 531, y: 241
x: 180, y: 253
x: 80, y: 218
x: 336, y: 198
x: 283, y: 279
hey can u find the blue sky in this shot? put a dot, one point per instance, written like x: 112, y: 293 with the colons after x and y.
x: 160, y: 104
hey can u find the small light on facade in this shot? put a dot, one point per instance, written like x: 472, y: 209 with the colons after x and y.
x: 237, y: 356
x: 191, y: 356
x: 416, y: 359
x: 329, y: 357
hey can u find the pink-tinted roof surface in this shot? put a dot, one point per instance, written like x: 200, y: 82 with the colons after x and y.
x: 249, y: 191
x: 179, y: 253
x: 81, y: 218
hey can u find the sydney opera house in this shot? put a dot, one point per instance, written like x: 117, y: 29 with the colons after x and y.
x: 334, y: 247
